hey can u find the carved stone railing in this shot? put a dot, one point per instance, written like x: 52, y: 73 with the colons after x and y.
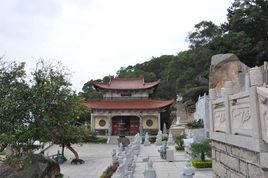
x: 241, y: 115
x: 263, y: 111
x: 236, y: 114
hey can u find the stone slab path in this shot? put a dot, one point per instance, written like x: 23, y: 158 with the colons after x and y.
x: 163, y: 168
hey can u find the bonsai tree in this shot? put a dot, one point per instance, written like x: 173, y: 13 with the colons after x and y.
x: 179, y: 139
x: 201, y: 149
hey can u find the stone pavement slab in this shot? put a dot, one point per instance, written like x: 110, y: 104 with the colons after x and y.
x: 163, y: 168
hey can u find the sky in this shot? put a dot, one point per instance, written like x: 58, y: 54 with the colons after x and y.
x: 94, y: 38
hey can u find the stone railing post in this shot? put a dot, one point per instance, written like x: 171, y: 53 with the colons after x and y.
x: 256, y: 77
x: 228, y: 85
x: 254, y: 112
x: 212, y: 96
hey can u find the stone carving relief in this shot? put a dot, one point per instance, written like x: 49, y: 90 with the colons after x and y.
x: 241, y: 114
x: 220, y: 116
x: 264, y: 117
x: 241, y: 121
x: 220, y: 120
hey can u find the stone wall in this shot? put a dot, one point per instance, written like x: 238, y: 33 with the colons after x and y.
x: 235, y: 162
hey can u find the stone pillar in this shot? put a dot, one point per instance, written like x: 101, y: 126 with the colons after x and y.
x: 256, y: 77
x: 212, y: 94
x: 255, y: 112
x: 247, y: 82
x: 110, y: 125
x: 92, y: 123
x: 159, y: 122
x: 228, y: 85
x: 141, y: 125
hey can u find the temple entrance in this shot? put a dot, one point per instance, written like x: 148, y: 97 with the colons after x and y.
x: 125, y: 125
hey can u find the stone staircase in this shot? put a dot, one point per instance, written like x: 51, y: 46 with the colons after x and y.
x: 113, y: 139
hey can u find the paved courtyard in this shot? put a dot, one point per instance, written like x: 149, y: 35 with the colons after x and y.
x: 97, y: 158
x: 163, y: 168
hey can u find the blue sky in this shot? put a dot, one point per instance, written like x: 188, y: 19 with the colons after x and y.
x: 94, y: 38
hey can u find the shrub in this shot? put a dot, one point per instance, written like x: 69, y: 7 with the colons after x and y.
x: 164, y: 138
x: 100, y: 140
x: 179, y: 148
x: 152, y: 139
x: 202, y: 164
x: 201, y: 149
x: 179, y: 139
x: 59, y: 176
x: 109, y: 171
x: 195, y: 124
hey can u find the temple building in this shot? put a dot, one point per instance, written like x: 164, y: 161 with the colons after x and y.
x: 127, y: 107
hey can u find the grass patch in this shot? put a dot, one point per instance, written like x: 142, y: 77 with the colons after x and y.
x: 3, y: 153
x: 202, y: 164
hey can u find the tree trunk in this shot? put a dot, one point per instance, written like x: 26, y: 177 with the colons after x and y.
x: 72, y: 150
x: 62, y: 149
x: 202, y: 156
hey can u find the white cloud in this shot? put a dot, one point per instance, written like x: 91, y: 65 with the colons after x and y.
x: 95, y: 38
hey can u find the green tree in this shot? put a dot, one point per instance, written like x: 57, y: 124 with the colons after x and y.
x: 178, y: 138
x: 201, y: 149
x: 15, y: 117
x: 89, y: 92
x: 56, y: 107
x: 205, y: 32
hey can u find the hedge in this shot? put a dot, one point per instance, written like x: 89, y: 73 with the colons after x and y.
x: 202, y: 164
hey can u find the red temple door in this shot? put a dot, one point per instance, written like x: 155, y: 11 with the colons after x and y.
x: 115, y: 127
x: 134, y: 126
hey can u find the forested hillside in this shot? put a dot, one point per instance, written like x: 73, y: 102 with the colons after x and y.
x: 245, y: 33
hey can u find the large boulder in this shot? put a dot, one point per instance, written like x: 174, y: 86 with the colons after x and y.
x: 41, y: 167
x: 226, y: 67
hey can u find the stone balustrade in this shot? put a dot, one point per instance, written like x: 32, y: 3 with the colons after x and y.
x: 239, y: 127
x: 241, y: 114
